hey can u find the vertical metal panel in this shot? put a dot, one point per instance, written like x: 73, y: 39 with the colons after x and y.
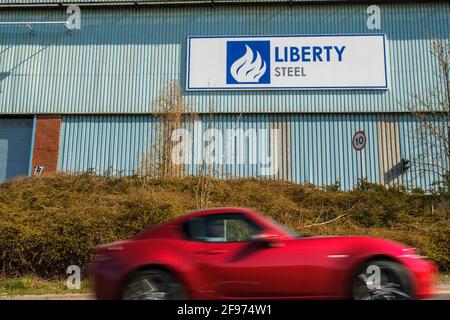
x: 122, y: 58
x: 33, y: 133
x: 250, y: 126
x: 389, y: 149
x: 105, y: 144
x: 15, y: 146
x: 322, y: 151
x: 282, y: 123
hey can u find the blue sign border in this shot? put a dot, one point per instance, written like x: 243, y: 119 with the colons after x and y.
x: 385, y: 87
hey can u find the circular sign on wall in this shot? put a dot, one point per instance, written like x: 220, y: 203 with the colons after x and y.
x: 359, y: 140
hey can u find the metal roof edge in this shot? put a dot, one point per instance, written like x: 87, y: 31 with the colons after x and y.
x: 190, y: 3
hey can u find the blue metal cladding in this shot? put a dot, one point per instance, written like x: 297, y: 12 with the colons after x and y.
x: 106, y: 144
x: 250, y: 157
x: 15, y: 147
x: 311, y: 148
x: 322, y: 151
x: 119, y: 144
x: 121, y: 59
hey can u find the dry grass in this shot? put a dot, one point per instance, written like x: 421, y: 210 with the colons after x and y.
x: 32, y: 285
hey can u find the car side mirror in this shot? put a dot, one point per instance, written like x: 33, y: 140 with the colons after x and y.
x: 270, y: 239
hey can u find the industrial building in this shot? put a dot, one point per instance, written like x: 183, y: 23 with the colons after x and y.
x: 81, y: 98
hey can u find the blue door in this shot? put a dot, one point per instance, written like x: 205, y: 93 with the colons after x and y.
x: 15, y: 147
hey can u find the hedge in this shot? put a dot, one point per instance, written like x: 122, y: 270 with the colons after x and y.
x: 48, y: 223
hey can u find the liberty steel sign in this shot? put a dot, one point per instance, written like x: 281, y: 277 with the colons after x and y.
x: 287, y: 62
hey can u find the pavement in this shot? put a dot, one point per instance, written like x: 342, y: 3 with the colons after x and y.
x: 443, y: 290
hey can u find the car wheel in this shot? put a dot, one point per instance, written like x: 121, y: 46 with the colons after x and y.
x: 153, y: 285
x: 382, y: 280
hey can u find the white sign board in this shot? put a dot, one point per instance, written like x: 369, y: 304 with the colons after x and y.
x: 287, y: 62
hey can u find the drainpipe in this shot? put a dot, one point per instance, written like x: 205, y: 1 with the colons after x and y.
x: 30, y: 163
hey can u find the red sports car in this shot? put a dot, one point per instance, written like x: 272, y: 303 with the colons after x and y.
x: 231, y: 253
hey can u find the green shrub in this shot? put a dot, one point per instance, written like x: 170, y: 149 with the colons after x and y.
x: 48, y: 223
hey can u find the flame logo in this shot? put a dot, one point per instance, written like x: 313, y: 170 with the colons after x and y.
x: 248, y: 69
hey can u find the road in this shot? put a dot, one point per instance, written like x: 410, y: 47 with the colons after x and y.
x: 443, y: 294
x: 443, y: 289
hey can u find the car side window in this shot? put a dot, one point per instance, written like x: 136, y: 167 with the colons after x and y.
x: 221, y: 228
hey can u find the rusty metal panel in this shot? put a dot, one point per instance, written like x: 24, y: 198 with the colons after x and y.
x: 389, y: 149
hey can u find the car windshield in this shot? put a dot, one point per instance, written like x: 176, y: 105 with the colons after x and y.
x: 284, y: 228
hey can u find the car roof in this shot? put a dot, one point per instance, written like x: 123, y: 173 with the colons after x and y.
x: 212, y: 211
x: 207, y: 212
x: 162, y: 229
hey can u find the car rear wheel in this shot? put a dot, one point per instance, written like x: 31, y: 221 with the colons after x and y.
x: 153, y: 285
x: 382, y: 280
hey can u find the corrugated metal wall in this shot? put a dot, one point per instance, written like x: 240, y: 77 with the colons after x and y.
x: 309, y: 148
x: 242, y: 157
x: 121, y: 58
x: 322, y: 149
x: 106, y: 144
x: 119, y: 144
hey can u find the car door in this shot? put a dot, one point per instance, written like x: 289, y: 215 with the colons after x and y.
x: 281, y: 270
x: 232, y: 264
x: 212, y: 249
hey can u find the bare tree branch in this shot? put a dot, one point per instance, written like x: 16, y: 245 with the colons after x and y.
x: 315, y: 224
x: 432, y: 111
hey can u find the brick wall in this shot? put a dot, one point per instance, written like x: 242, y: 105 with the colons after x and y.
x: 46, y: 143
